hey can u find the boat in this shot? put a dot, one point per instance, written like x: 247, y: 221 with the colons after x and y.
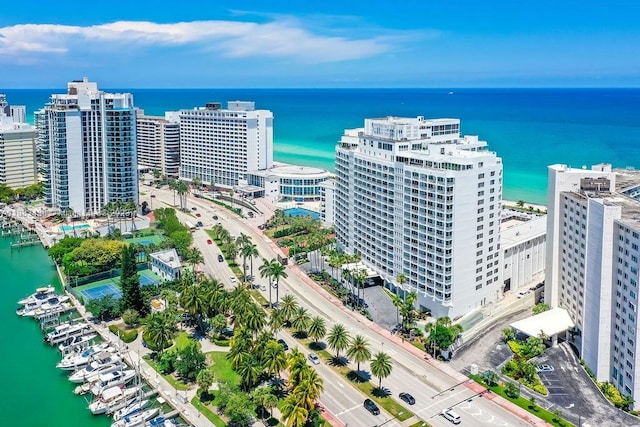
x: 79, y: 341
x: 76, y: 361
x: 91, y: 371
x: 134, y: 406
x: 137, y: 419
x: 66, y: 330
x: 51, y: 304
x: 111, y: 379
x: 40, y: 295
x: 113, y: 399
x: 161, y: 421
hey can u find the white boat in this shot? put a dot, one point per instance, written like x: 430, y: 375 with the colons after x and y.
x: 161, y: 421
x: 79, y: 341
x: 76, y: 361
x: 90, y: 372
x: 133, y: 407
x: 112, y: 379
x: 137, y: 419
x: 39, y: 296
x: 66, y: 330
x: 51, y: 304
x: 113, y: 399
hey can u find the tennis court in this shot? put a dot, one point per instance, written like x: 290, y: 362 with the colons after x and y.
x: 101, y: 291
x: 146, y: 280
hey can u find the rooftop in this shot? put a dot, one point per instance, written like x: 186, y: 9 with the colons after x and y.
x: 550, y: 322
x: 168, y: 257
x: 513, y: 232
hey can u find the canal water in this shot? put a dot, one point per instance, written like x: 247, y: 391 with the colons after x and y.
x: 33, y: 392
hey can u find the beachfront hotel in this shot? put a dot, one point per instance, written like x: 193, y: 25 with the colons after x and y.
x: 417, y: 200
x: 88, y: 143
x: 158, y: 142
x: 18, y: 166
x: 220, y: 146
x: 593, y: 236
x: 285, y: 182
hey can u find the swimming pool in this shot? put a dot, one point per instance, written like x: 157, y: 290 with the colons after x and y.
x: 302, y: 212
x: 77, y: 227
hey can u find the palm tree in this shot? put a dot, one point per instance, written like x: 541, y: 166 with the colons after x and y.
x: 296, y: 365
x: 300, y: 320
x: 359, y: 278
x: 196, y: 181
x: 193, y: 301
x: 408, y: 310
x: 182, y: 189
x: 397, y: 302
x: 160, y: 328
x: 381, y: 366
x: 308, y: 388
x: 317, y: 329
x: 278, y: 271
x: 252, y: 252
x: 359, y: 350
x: 275, y: 359
x: 338, y: 338
x: 270, y: 401
x: 293, y: 414
x: 254, y: 319
x: 194, y: 256
x: 288, y: 307
x: 265, y: 271
x: 244, y: 243
x: 249, y: 371
x: 276, y: 320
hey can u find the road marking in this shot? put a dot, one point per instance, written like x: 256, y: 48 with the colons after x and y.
x: 347, y: 410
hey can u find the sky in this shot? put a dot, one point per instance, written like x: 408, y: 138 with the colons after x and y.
x: 328, y: 44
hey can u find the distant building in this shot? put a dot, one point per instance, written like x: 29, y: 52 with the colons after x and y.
x: 19, y: 113
x: 220, y: 146
x: 158, y: 142
x: 523, y: 242
x: 4, y: 105
x: 593, y: 264
x: 88, y: 144
x: 18, y: 166
x: 417, y: 200
x: 166, y: 264
x: 327, y: 201
x: 285, y: 182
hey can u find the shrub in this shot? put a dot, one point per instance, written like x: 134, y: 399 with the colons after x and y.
x: 222, y: 343
x: 516, y: 347
x: 130, y: 317
x: 126, y: 336
x: 512, y: 390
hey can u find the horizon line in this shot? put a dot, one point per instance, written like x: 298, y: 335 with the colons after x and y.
x: 361, y: 88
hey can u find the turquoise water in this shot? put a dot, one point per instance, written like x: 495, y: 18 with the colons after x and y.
x: 301, y: 212
x: 529, y: 128
x: 71, y: 227
x: 34, y: 393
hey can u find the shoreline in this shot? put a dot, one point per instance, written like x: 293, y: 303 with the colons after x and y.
x: 526, y: 205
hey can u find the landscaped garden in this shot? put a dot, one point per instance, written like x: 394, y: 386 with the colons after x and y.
x: 519, y: 367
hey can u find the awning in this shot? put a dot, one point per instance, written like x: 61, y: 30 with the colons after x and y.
x: 550, y: 322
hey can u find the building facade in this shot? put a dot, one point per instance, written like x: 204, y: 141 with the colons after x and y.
x: 18, y: 165
x: 220, y: 146
x: 158, y: 142
x: 592, y: 267
x: 327, y: 201
x: 88, y: 149
x: 418, y: 201
x: 166, y: 264
x: 524, y: 246
x: 19, y: 113
x: 285, y: 182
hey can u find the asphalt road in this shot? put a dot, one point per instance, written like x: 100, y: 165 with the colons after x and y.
x: 410, y: 373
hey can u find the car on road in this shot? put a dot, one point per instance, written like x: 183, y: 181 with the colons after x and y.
x: 153, y: 196
x: 233, y: 279
x: 194, y: 208
x: 220, y: 258
x: 536, y: 287
x: 451, y: 416
x: 313, y: 358
x: 284, y: 344
x: 215, y: 217
x: 209, y: 242
x: 522, y: 294
x: 408, y: 398
x: 544, y: 368
x: 199, y: 224
x: 371, y: 406
x: 198, y: 215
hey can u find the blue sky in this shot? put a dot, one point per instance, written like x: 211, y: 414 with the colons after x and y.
x: 313, y: 44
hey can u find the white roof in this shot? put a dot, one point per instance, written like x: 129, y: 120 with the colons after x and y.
x: 550, y: 322
x: 168, y: 256
x: 514, y: 232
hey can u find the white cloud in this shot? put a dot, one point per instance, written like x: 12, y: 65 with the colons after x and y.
x: 283, y: 37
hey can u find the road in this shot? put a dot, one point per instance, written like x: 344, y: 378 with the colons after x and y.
x: 410, y: 373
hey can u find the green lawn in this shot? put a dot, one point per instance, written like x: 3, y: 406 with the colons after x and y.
x: 177, y: 384
x: 183, y: 339
x: 211, y: 416
x: 221, y: 367
x: 420, y: 424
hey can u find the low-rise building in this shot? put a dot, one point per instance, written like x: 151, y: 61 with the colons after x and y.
x: 286, y: 182
x: 523, y: 242
x: 166, y: 264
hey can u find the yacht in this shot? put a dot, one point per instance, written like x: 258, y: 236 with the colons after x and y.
x: 133, y: 407
x: 90, y: 372
x: 136, y: 419
x: 111, y: 379
x: 76, y: 361
x: 161, y: 421
x: 66, y: 330
x: 113, y: 399
x: 51, y: 304
x: 39, y: 296
x: 77, y: 342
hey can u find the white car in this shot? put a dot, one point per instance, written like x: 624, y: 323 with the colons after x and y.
x: 233, y: 279
x: 314, y: 358
x: 522, y: 294
x: 544, y: 368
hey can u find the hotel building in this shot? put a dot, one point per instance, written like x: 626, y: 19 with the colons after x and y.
x: 88, y: 144
x: 415, y: 198
x: 158, y: 142
x: 220, y: 146
x: 18, y: 166
x: 593, y: 236
x: 285, y: 182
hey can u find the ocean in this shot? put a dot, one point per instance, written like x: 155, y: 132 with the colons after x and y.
x: 35, y: 393
x: 529, y: 128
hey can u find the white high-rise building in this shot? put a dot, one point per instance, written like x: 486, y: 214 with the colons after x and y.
x: 19, y: 113
x: 18, y: 166
x: 158, y: 142
x: 88, y: 144
x: 220, y: 146
x: 417, y: 200
x: 593, y: 238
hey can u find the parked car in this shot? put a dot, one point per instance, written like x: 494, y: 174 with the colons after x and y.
x: 408, y: 398
x: 200, y: 224
x: 215, y: 217
x: 209, y: 242
x: 198, y: 215
x: 194, y: 208
x: 523, y: 293
x: 220, y: 258
x: 451, y: 416
x: 313, y: 358
x: 233, y: 279
x: 371, y: 406
x: 284, y: 344
x: 544, y: 368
